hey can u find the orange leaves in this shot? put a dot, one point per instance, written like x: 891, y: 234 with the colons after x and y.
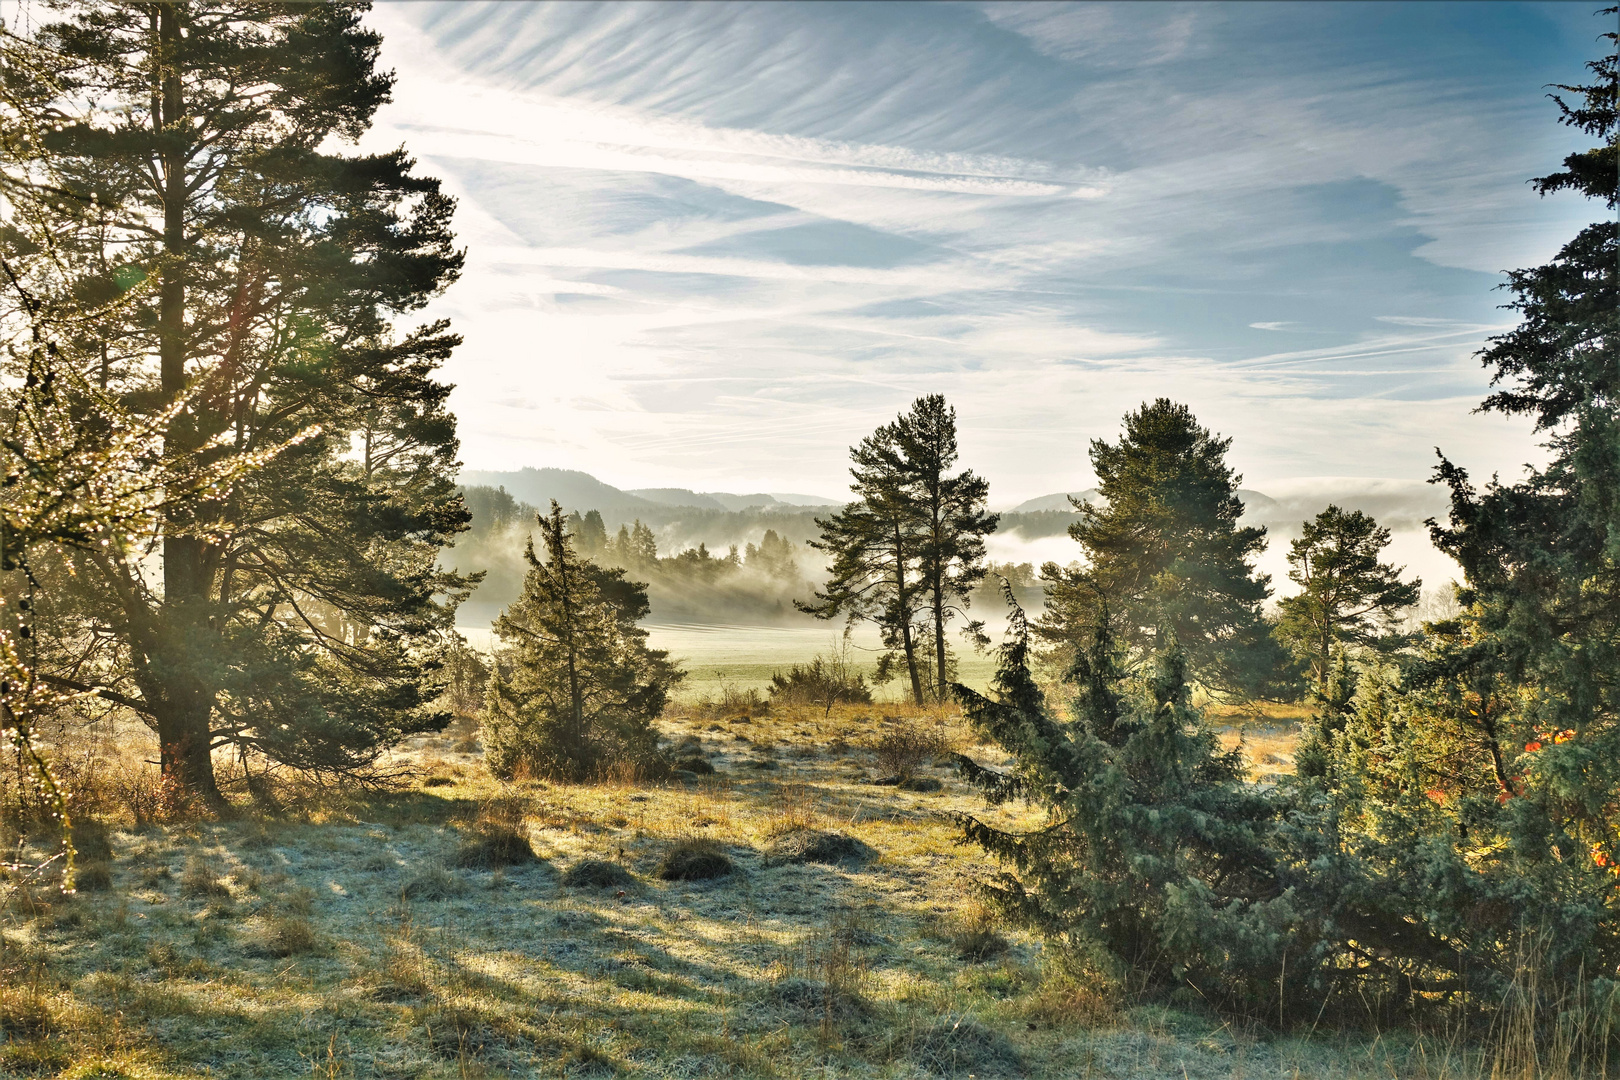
x: 1436, y: 796
x: 1544, y: 737
x: 1601, y: 858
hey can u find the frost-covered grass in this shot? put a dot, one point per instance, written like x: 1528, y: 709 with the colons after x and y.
x: 346, y: 937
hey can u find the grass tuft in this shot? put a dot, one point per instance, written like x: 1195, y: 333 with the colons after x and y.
x: 597, y: 874
x: 433, y: 883
x: 496, y: 846
x: 959, y: 1046
x: 202, y: 881
x: 694, y: 859
x: 813, y: 846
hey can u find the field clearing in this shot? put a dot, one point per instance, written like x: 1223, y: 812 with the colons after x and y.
x: 375, y: 936
x: 718, y: 657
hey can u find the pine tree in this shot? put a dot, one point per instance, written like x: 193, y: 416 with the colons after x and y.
x: 1153, y: 864
x: 950, y: 523
x: 1480, y: 801
x: 1347, y: 596
x: 576, y: 690
x: 1168, y: 554
x: 301, y: 618
x: 874, y: 549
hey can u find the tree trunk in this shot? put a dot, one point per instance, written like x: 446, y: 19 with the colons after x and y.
x: 184, y: 748
x: 904, y: 610
x: 185, y: 697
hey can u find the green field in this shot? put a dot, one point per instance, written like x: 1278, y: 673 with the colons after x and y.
x: 743, y: 657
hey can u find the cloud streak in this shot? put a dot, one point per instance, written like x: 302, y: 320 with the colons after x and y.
x: 713, y: 245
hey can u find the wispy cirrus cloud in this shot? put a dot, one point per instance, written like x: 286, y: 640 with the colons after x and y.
x: 713, y: 245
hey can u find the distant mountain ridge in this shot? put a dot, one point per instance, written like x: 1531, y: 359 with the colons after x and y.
x: 577, y: 490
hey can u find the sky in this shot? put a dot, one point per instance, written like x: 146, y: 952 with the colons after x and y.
x: 713, y: 245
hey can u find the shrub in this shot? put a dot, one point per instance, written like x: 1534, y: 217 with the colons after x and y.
x: 735, y: 704
x: 575, y: 694
x: 823, y: 682
x: 909, y: 746
x: 1156, y: 863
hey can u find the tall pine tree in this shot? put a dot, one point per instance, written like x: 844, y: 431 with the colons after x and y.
x: 949, y: 520
x: 1168, y: 553
x: 300, y: 619
x: 873, y: 544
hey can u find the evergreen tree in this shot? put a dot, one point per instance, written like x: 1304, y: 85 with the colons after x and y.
x: 593, y: 535
x: 1168, y: 554
x: 1347, y: 597
x: 1153, y: 863
x: 874, y: 549
x: 303, y: 616
x: 1480, y: 801
x: 643, y: 546
x: 950, y: 522
x: 577, y: 690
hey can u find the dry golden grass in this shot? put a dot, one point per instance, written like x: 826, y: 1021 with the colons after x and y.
x: 360, y: 938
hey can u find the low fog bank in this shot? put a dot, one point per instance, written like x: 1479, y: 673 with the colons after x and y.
x: 700, y: 564
x: 707, y: 565
x: 1402, y: 506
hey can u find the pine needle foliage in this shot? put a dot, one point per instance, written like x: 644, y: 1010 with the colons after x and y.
x: 576, y: 690
x: 1153, y: 865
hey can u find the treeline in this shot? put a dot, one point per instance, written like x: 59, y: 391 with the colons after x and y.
x: 747, y: 582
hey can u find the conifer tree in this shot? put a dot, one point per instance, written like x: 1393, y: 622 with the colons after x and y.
x: 1168, y: 554
x: 950, y: 523
x: 909, y: 551
x: 1153, y: 864
x: 576, y: 691
x: 1347, y: 596
x: 873, y: 544
x: 1479, y: 801
x: 302, y: 618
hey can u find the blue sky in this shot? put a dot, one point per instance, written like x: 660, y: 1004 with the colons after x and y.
x: 712, y: 245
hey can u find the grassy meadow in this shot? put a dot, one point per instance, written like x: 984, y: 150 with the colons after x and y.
x: 718, y: 657
x: 780, y: 916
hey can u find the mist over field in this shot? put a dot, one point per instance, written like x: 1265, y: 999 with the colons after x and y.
x: 1033, y: 532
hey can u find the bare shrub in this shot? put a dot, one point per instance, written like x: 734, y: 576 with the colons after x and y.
x: 733, y: 703
x: 908, y: 747
x: 824, y: 682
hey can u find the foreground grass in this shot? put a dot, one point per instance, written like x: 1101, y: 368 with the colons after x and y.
x: 372, y: 937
